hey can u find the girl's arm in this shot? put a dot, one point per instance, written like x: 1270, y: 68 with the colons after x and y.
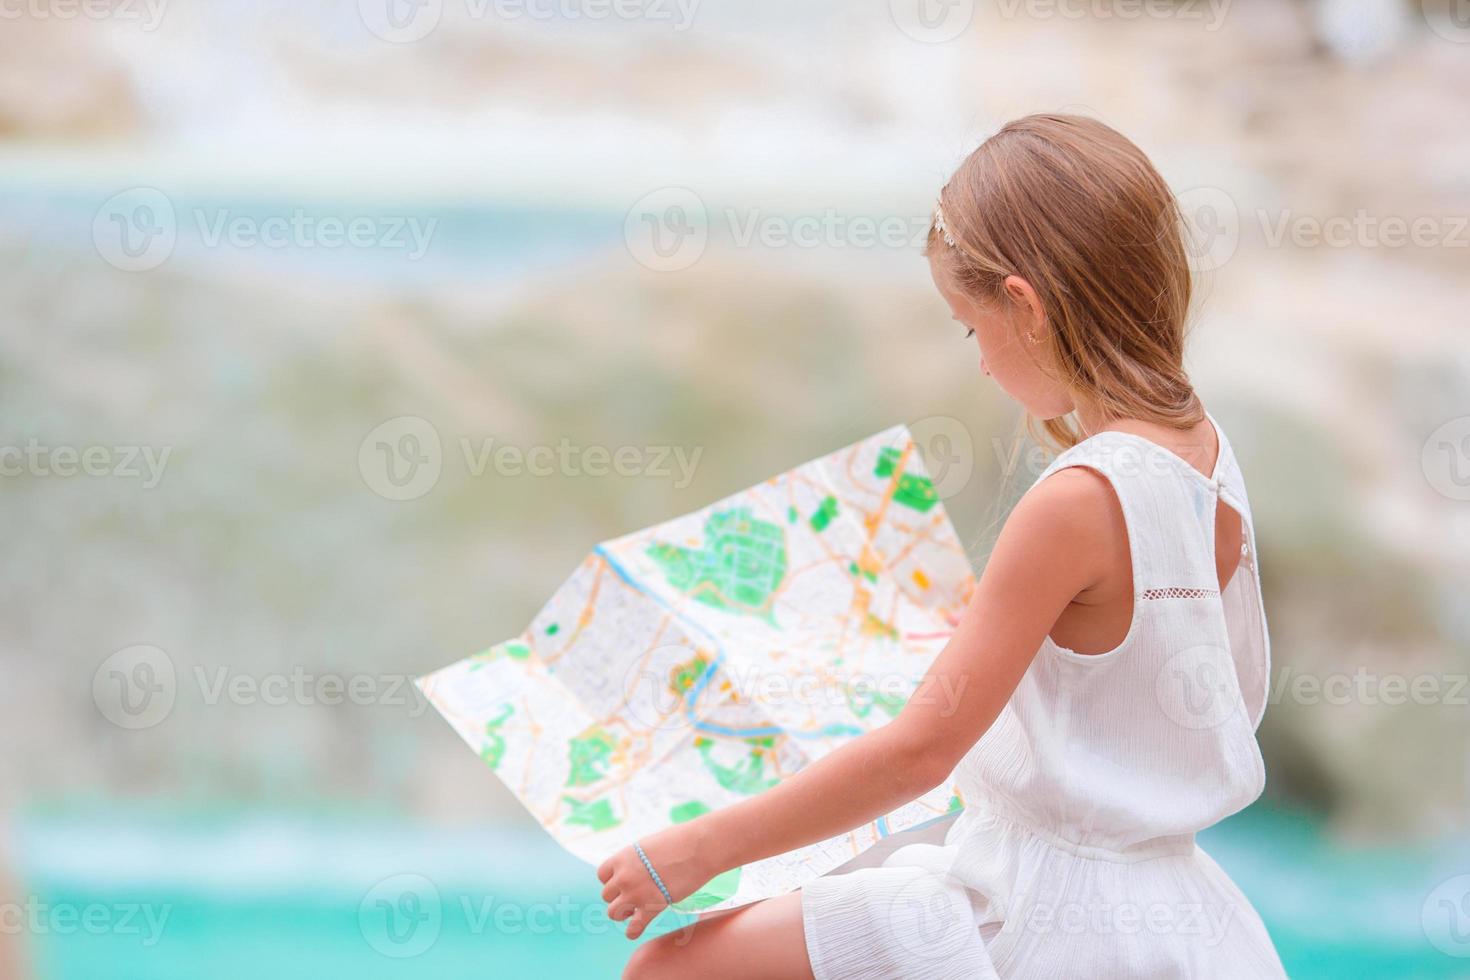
x: 1052, y: 547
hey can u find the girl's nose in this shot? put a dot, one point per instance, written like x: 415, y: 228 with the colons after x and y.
x: 984, y: 368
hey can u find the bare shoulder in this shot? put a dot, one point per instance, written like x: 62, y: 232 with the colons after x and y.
x: 1069, y: 524
x: 1074, y: 485
x: 1072, y: 501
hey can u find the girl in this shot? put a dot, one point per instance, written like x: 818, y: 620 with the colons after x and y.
x: 1111, y: 665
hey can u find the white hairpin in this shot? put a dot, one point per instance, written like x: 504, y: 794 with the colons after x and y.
x: 940, y: 226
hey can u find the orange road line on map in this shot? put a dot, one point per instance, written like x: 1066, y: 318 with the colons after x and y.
x: 584, y: 618
x: 877, y: 517
x: 526, y: 769
x: 916, y: 537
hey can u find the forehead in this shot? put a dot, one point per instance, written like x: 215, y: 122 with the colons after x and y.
x: 944, y: 282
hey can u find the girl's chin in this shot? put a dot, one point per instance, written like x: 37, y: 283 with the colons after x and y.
x: 1047, y: 412
x: 1043, y: 410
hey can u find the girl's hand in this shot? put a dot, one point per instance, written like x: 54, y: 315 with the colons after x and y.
x: 628, y: 888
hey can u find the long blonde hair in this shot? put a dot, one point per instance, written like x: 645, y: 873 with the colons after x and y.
x: 1078, y: 211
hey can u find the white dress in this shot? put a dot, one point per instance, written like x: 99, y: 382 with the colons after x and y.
x: 1075, y: 855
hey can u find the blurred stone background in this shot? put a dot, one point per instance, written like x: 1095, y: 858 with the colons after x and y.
x: 546, y: 158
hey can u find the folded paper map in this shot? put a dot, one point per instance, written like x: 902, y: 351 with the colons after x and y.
x: 693, y: 664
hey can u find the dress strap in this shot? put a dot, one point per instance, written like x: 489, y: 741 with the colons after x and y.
x: 1168, y: 507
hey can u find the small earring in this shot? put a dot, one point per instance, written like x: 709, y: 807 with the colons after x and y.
x: 1032, y: 337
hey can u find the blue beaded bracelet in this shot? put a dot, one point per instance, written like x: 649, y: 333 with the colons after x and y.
x: 652, y: 873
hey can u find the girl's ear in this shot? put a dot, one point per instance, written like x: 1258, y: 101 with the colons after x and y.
x: 1024, y: 299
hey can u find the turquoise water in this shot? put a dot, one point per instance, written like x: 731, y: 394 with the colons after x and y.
x: 1335, y: 911
x: 288, y: 898
x: 316, y: 936
x: 409, y: 245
